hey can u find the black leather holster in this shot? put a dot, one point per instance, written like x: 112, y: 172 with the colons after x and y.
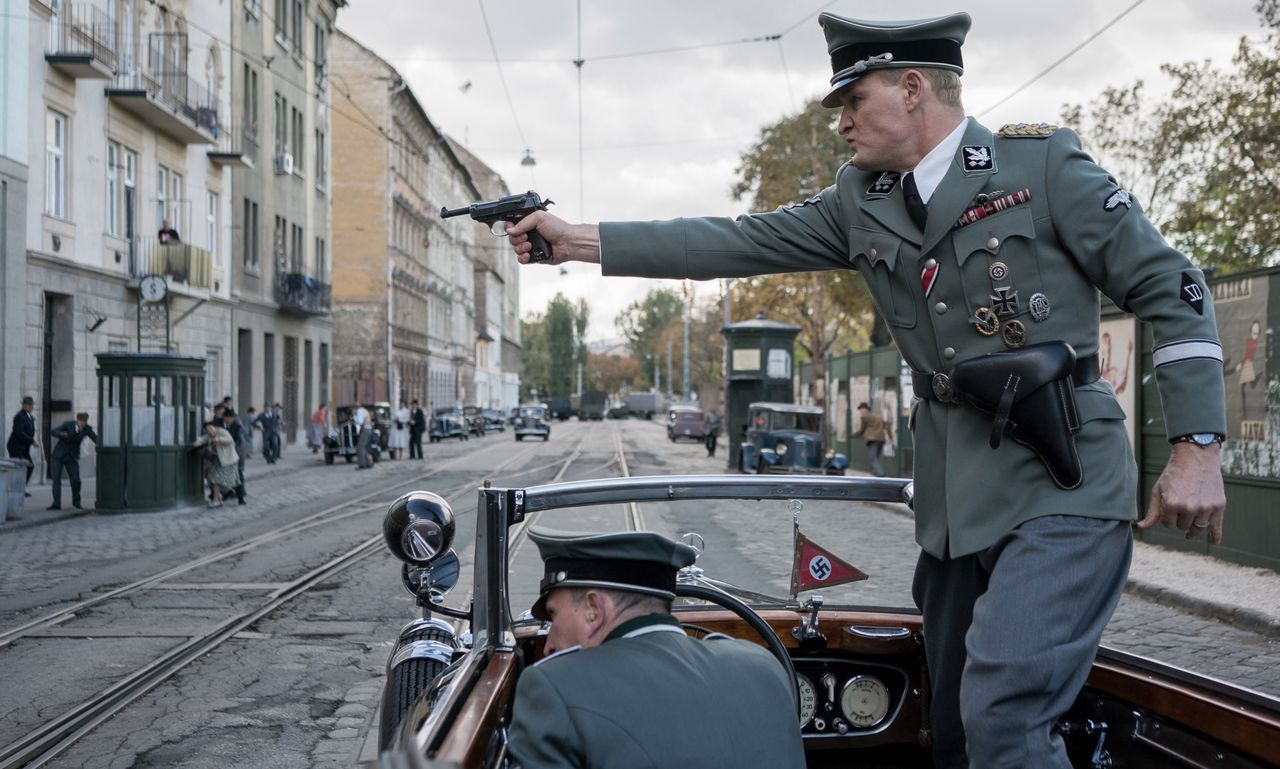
x: 1030, y: 393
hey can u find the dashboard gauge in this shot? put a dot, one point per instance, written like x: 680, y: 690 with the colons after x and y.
x: 865, y: 701
x: 808, y: 698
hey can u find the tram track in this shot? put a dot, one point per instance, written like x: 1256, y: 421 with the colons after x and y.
x: 45, y: 742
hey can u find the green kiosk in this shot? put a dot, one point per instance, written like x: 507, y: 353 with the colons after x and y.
x: 761, y: 356
x: 150, y: 409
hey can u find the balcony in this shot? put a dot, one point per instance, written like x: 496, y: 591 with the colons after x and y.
x: 163, y: 96
x: 179, y: 262
x: 301, y: 294
x: 82, y: 42
x: 238, y: 149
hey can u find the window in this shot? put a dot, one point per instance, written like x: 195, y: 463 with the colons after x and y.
x: 129, y: 220
x: 282, y: 17
x: 322, y: 265
x: 296, y: 37
x: 280, y: 115
x: 322, y: 172
x: 278, y: 243
x: 254, y: 7
x: 297, y: 142
x: 297, y: 257
x: 250, y: 234
x: 211, y: 221
x: 113, y: 188
x: 177, y: 205
x: 212, y: 368
x: 250, y: 111
x: 321, y: 56
x: 162, y: 196
x: 55, y: 169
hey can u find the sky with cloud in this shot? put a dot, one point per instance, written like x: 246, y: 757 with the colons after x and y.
x: 662, y: 133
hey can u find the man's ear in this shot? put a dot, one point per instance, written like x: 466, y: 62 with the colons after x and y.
x: 597, y: 610
x: 913, y: 86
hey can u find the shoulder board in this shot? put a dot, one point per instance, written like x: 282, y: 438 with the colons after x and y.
x: 560, y: 653
x: 1026, y: 130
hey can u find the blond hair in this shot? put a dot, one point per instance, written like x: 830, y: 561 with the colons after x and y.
x: 944, y: 82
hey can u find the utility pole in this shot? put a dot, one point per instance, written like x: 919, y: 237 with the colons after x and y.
x: 671, y: 380
x: 686, y: 348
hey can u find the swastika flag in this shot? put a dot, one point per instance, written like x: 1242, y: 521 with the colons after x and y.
x: 816, y: 567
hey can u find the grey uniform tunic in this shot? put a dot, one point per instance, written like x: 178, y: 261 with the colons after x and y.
x: 653, y: 699
x: 1078, y: 235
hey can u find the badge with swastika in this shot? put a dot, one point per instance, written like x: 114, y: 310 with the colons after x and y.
x: 819, y: 567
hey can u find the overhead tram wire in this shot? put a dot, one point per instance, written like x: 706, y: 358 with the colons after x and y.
x: 515, y: 116
x: 1063, y: 58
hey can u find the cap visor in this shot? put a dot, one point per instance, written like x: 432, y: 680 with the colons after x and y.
x: 832, y: 99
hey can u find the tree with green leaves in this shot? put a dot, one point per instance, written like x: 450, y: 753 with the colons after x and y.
x: 643, y: 323
x: 1202, y: 161
x: 554, y: 347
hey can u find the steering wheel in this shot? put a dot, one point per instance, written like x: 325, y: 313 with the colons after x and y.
x: 757, y: 623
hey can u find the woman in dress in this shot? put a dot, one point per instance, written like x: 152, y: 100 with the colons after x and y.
x: 315, y: 430
x: 399, y: 439
x: 221, y: 461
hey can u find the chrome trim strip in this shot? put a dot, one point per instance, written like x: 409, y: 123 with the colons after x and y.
x: 675, y: 487
x: 423, y: 624
x: 421, y: 650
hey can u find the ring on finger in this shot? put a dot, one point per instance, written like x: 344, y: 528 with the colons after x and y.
x: 1199, y: 525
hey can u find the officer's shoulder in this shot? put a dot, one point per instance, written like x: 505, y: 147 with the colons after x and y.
x: 1026, y: 130
x: 560, y: 654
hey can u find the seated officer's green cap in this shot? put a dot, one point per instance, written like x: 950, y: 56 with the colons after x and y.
x: 632, y: 561
x: 858, y: 47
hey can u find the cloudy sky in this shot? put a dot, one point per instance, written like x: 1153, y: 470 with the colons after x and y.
x: 661, y: 133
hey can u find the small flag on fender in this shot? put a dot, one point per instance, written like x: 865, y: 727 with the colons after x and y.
x: 816, y: 567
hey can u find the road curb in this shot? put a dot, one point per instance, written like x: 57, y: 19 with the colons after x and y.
x: 1236, y: 616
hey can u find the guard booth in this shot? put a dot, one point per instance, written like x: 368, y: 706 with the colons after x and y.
x: 150, y: 410
x: 761, y: 354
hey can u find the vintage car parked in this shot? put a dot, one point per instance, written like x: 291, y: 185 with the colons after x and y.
x: 474, y: 420
x: 447, y: 423
x: 862, y: 696
x: 532, y: 420
x: 685, y: 422
x: 493, y: 420
x: 786, y: 438
x: 341, y: 440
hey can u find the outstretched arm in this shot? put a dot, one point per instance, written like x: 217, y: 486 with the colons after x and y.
x: 569, y: 242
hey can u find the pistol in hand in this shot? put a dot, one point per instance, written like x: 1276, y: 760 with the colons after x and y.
x: 512, y: 208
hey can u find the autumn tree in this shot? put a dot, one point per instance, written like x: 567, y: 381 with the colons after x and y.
x: 795, y: 159
x: 643, y: 323
x: 553, y: 347
x: 1203, y: 160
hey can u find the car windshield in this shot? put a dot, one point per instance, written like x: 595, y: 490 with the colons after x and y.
x: 784, y: 420
x: 532, y: 412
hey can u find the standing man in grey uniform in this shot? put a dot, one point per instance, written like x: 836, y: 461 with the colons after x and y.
x: 622, y: 686
x: 972, y: 243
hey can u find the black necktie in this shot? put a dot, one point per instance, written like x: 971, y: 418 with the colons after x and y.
x: 915, y: 206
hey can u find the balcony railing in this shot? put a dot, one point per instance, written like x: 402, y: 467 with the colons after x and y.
x: 179, y: 262
x: 82, y: 42
x: 162, y: 94
x: 302, y: 294
x: 236, y: 147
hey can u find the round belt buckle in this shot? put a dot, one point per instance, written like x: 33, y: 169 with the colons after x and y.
x: 942, y: 389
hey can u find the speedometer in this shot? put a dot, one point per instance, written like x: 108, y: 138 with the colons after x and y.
x: 865, y: 701
x: 808, y: 699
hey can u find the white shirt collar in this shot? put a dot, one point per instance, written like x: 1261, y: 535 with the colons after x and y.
x: 932, y: 167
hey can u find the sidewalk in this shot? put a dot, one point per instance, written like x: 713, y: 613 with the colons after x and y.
x: 292, y: 459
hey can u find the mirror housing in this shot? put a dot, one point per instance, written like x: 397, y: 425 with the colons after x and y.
x: 419, y: 528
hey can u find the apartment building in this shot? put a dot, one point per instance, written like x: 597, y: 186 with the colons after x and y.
x: 281, y: 101
x: 125, y: 117
x: 404, y: 295
x: 14, y: 170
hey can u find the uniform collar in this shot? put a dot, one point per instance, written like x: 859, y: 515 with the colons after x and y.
x: 648, y: 623
x: 933, y: 166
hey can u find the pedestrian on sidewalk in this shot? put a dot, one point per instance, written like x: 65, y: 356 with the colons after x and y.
x: 417, y: 426
x: 399, y: 438
x: 221, y: 462
x: 270, y: 422
x: 364, y: 434
x: 241, y: 437
x: 23, y: 435
x: 711, y: 427
x: 66, y: 456
x: 873, y: 430
x: 315, y: 430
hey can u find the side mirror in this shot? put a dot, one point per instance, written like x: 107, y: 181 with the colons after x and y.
x: 433, y: 581
x: 419, y: 528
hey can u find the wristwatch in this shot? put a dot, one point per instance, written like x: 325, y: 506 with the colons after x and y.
x: 1200, y: 439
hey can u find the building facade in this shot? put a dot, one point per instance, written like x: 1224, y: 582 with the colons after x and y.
x: 281, y: 324
x: 404, y: 295
x: 14, y: 34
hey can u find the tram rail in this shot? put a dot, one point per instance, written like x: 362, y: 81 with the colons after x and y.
x: 45, y: 742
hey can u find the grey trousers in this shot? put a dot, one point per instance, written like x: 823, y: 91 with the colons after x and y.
x: 875, y: 449
x: 362, y: 447
x: 1010, y: 634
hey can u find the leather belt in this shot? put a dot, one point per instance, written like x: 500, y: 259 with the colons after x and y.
x: 936, y: 386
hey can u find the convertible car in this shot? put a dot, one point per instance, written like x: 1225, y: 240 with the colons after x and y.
x: 862, y: 693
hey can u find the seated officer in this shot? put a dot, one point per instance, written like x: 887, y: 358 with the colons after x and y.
x: 623, y: 686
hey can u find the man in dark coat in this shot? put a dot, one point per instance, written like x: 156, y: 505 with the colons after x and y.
x: 417, y: 426
x: 23, y: 435
x: 66, y: 456
x: 241, y: 438
x: 270, y: 422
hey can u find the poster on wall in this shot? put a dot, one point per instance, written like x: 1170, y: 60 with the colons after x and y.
x: 885, y: 404
x: 1241, y: 307
x: 1117, y: 362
